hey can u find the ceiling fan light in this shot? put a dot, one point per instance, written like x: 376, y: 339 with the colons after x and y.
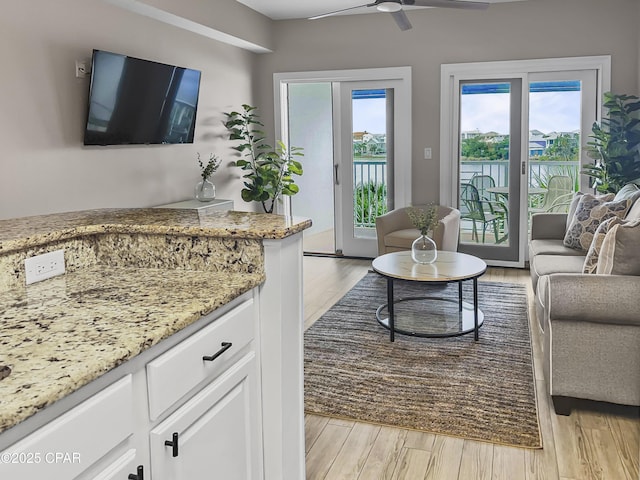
x: 389, y: 7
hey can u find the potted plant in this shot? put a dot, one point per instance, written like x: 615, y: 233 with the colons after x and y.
x: 268, y: 172
x: 205, y: 190
x: 615, y: 147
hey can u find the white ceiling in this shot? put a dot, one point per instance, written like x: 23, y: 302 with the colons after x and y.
x: 289, y: 9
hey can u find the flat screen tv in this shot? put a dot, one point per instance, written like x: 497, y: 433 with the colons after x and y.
x: 135, y: 101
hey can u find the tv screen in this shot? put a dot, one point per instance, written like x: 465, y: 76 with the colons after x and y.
x: 135, y: 101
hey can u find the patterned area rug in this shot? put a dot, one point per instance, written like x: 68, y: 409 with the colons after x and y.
x: 452, y: 386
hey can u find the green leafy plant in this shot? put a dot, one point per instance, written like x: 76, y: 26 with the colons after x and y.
x: 615, y: 144
x: 268, y: 172
x: 370, y: 201
x: 210, y: 168
x: 425, y: 220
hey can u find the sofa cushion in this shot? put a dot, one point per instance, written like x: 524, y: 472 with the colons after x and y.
x: 548, y: 264
x: 591, y: 260
x: 620, y: 251
x: 590, y: 212
x: 546, y: 246
x: 401, y: 238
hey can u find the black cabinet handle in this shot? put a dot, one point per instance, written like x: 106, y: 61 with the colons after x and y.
x: 137, y: 476
x: 225, y: 346
x: 173, y: 443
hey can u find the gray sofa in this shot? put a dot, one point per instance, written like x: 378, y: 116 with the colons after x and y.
x: 590, y: 323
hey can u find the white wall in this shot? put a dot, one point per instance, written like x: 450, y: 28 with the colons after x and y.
x: 506, y: 31
x: 45, y: 168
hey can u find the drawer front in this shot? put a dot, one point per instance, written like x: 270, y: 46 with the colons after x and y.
x: 70, y: 444
x: 177, y: 371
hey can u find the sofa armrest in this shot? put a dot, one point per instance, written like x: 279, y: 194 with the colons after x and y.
x: 548, y: 226
x: 390, y: 222
x: 594, y: 298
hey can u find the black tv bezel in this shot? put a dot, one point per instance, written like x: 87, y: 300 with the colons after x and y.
x: 88, y: 142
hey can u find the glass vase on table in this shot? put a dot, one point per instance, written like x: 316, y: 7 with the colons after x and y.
x: 424, y: 250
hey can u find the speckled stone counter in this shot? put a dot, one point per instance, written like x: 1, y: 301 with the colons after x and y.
x: 134, y: 277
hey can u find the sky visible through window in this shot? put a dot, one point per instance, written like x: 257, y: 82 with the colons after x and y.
x: 548, y: 112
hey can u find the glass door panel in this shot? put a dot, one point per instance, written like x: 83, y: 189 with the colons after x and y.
x: 310, y: 126
x: 366, y: 162
x: 562, y: 108
x: 489, y: 168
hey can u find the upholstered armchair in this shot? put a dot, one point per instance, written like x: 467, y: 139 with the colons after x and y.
x: 396, y: 232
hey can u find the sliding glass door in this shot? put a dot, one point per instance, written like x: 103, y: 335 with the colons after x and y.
x: 352, y: 126
x: 512, y: 144
x: 490, y: 167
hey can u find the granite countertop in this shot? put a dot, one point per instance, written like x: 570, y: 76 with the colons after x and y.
x: 21, y: 233
x: 62, y: 333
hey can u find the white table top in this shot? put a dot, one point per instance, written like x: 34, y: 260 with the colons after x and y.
x: 448, y: 267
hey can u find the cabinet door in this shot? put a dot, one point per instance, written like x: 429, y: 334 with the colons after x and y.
x: 219, y: 431
x: 70, y: 444
x: 120, y: 468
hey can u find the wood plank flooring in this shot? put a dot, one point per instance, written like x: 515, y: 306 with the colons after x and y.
x: 594, y: 443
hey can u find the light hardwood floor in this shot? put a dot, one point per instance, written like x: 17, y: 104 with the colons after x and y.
x: 596, y: 443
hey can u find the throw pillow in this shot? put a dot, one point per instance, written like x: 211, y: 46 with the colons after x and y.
x: 591, y: 260
x: 628, y: 191
x: 620, y: 251
x: 590, y: 212
x: 572, y: 208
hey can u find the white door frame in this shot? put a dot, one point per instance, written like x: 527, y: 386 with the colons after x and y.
x: 450, y: 77
x: 403, y: 133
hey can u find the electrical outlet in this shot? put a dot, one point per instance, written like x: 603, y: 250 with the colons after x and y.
x: 81, y: 69
x: 44, y: 266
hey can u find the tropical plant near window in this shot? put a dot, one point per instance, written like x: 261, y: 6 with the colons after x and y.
x: 268, y: 171
x: 615, y: 147
x: 370, y: 202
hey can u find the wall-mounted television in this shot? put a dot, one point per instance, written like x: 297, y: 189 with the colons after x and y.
x: 136, y: 101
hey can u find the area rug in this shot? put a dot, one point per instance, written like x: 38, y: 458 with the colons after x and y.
x: 454, y: 386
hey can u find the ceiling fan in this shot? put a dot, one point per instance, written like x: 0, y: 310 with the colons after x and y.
x: 394, y: 7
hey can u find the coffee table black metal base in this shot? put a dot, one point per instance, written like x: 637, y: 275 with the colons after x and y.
x: 469, y: 317
x: 430, y: 319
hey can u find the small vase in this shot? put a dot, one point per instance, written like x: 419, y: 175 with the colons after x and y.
x: 424, y: 250
x: 205, y: 191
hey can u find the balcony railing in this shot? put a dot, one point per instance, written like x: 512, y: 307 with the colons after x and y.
x: 369, y: 192
x: 539, y: 171
x: 370, y: 181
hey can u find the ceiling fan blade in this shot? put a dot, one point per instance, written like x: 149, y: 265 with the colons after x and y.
x: 323, y: 15
x: 402, y: 20
x: 447, y: 4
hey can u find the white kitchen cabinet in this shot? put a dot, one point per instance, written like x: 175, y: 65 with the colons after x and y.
x: 71, y: 444
x: 215, y: 434
x: 176, y: 372
x: 120, y: 468
x: 211, y: 401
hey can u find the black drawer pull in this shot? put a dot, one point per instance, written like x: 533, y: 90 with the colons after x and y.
x: 173, y: 444
x: 225, y: 346
x: 137, y: 476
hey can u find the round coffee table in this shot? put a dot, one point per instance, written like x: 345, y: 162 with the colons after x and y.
x: 450, y: 267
